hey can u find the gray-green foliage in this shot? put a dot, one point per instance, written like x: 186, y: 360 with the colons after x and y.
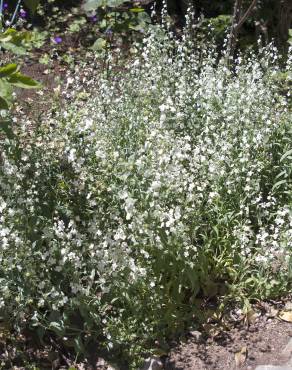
x: 172, y: 182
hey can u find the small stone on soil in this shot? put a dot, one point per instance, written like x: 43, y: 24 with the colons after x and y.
x: 197, y: 335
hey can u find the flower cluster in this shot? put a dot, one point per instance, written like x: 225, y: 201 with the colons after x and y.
x: 119, y: 209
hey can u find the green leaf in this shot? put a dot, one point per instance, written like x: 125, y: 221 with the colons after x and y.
x: 25, y: 82
x: 78, y: 344
x: 8, y: 70
x: 57, y: 327
x: 278, y: 184
x: 6, y: 127
x: 137, y: 10
x: 114, y: 3
x: 32, y: 4
x: 93, y: 5
x: 283, y: 173
x: 5, y: 90
x: 99, y: 44
x: 193, y: 277
x: 286, y: 155
x: 18, y: 50
x: 40, y: 334
x: 15, y: 41
x: 7, y: 35
x: 4, y: 104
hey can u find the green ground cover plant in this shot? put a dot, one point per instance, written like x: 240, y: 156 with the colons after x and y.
x: 16, y: 42
x: 169, y: 181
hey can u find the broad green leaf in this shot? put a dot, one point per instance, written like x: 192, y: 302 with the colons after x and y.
x: 3, y: 103
x: 18, y: 50
x: 99, y: 44
x: 20, y: 80
x: 8, y: 70
x: 5, y: 89
x: 15, y: 41
x: 32, y: 4
x: 7, y: 35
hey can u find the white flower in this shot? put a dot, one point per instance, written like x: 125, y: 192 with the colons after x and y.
x: 129, y: 207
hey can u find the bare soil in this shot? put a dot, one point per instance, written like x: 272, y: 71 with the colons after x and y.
x: 244, y: 346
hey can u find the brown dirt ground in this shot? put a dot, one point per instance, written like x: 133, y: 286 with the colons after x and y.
x: 264, y: 340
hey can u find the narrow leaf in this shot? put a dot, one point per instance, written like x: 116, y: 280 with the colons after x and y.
x: 278, y: 184
x: 137, y: 10
x: 20, y: 80
x: 8, y: 70
x: 286, y: 155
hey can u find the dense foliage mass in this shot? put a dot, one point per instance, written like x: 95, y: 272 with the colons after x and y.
x: 171, y: 181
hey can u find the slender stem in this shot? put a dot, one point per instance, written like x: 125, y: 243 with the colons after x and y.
x: 1, y: 17
x: 15, y: 12
x: 247, y: 13
x: 233, y: 31
x: 1, y: 7
x: 237, y: 23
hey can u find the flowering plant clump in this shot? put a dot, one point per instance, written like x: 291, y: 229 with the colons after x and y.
x: 171, y: 181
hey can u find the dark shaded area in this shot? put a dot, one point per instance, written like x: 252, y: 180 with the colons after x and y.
x: 270, y: 19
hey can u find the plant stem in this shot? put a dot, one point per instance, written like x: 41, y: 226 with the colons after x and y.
x: 15, y: 12
x: 1, y: 7
x: 237, y: 22
x: 246, y: 15
x: 234, y: 30
x: 1, y: 17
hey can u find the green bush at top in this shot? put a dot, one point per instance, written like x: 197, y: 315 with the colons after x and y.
x: 17, y: 43
x: 171, y: 182
x: 10, y: 76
